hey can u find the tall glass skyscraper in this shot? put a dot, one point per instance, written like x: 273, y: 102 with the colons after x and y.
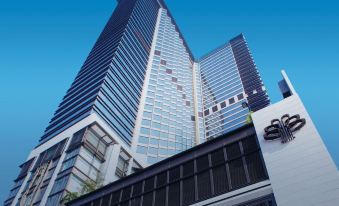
x: 139, y: 97
x: 230, y: 80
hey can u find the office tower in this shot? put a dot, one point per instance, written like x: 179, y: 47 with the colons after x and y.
x: 249, y: 166
x: 230, y: 80
x: 138, y: 99
x: 168, y: 122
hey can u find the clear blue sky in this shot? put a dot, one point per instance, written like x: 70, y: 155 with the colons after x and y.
x: 44, y: 43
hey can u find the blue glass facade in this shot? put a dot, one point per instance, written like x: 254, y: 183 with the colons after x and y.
x: 168, y: 122
x: 253, y: 86
x: 230, y: 79
x: 110, y: 81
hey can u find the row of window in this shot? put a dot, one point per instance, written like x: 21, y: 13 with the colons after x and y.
x: 223, y: 104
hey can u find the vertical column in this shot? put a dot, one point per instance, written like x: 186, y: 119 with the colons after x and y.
x: 111, y: 164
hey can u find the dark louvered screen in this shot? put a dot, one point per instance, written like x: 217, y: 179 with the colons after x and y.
x: 220, y: 179
x: 148, y: 199
x: 96, y: 202
x: 227, y: 168
x: 255, y: 167
x: 174, y: 174
x: 202, y: 163
x: 160, y: 197
x: 174, y: 194
x: 249, y: 145
x: 188, y: 191
x: 124, y: 203
x: 115, y: 198
x: 162, y: 179
x: 137, y: 189
x: 136, y: 201
x: 237, y: 171
x: 188, y: 169
x: 217, y: 157
x: 233, y: 151
x: 105, y: 200
x: 204, y: 185
x: 149, y: 184
x: 126, y: 192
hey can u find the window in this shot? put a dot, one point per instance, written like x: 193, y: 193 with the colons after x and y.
x: 188, y: 103
x: 141, y: 150
x: 59, y: 184
x: 152, y: 150
x: 193, y: 118
x: 143, y: 140
x: 223, y: 104
x: 163, y: 62
x: 169, y: 71
x: 144, y: 131
x: 122, y: 165
x: 231, y: 101
x: 215, y: 108
x: 240, y: 96
x: 157, y: 52
x: 174, y: 79
x: 179, y: 87
x: 154, y: 141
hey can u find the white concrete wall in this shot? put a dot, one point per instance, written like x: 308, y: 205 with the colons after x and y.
x: 302, y: 171
x: 110, y: 163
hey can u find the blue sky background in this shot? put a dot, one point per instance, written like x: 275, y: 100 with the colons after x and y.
x: 44, y: 43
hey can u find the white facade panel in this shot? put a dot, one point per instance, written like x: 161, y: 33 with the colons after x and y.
x: 301, y: 171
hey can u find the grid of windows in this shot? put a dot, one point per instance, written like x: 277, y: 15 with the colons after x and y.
x: 219, y: 171
x: 229, y: 73
x: 167, y: 126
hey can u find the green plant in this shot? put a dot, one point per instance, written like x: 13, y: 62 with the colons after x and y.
x: 69, y: 197
x: 86, y: 187
x: 89, y: 185
x: 249, y: 118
